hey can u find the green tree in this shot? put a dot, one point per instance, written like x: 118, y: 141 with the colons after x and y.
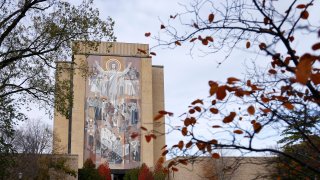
x: 89, y: 171
x: 132, y: 174
x: 33, y: 35
x: 280, y: 94
x: 286, y: 168
x: 8, y: 116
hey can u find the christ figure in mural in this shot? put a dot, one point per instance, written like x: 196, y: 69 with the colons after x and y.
x: 112, y: 79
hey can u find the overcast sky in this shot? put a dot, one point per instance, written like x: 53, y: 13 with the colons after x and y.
x: 186, y: 77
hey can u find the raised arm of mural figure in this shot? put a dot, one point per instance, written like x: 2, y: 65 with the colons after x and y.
x: 99, y: 68
x: 126, y: 70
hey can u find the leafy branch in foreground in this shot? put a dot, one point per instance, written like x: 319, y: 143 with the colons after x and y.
x: 278, y: 98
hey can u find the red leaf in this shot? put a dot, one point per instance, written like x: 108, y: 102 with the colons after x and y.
x: 213, y: 141
x: 216, y: 126
x: 162, y: 112
x: 251, y: 110
x: 189, y: 144
x: 291, y: 38
x: 272, y: 71
x: 201, y: 145
x: 164, y: 152
x: 177, y: 43
x: 267, y: 110
x: 197, y: 108
x: 193, y: 39
x: 147, y: 34
x: 238, y: 131
x: 316, y: 46
x: 180, y: 145
x: 193, y: 120
x: 221, y: 92
x: 304, y: 14
x: 187, y: 122
x: 288, y: 105
x: 160, y: 161
x: 158, y: 116
x: 134, y: 135
x: 183, y: 161
x: 266, y: 21
x: 211, y: 18
x: 214, y: 110
x: 301, y: 6
x: 205, y: 42
x: 148, y: 138
x: 230, y: 117
x: 198, y: 101
x: 248, y: 44
x: 164, y: 147
x: 142, y: 51
x: 184, y: 131
x: 213, y: 87
x: 255, y: 88
x: 143, y: 128
x: 257, y: 127
x: 315, y: 78
x: 303, y: 71
x: 175, y: 169
x: 192, y: 111
x: 232, y: 80
x: 215, y: 156
x: 265, y: 100
x: 153, y: 136
x: 248, y: 83
x: 262, y: 46
x: 209, y: 38
x: 171, y: 163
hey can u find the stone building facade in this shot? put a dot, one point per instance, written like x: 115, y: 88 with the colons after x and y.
x: 115, y: 91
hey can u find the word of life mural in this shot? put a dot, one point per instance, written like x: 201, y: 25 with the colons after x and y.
x: 112, y: 111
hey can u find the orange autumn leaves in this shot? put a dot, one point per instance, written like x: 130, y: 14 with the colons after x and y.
x: 304, y: 68
x: 221, y: 92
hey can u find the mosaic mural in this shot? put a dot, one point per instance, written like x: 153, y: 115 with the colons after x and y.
x: 112, y: 111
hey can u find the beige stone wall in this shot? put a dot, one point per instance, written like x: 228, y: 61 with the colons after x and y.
x: 146, y: 110
x: 231, y: 168
x: 158, y: 104
x: 113, y: 49
x: 79, y: 84
x: 60, y: 141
